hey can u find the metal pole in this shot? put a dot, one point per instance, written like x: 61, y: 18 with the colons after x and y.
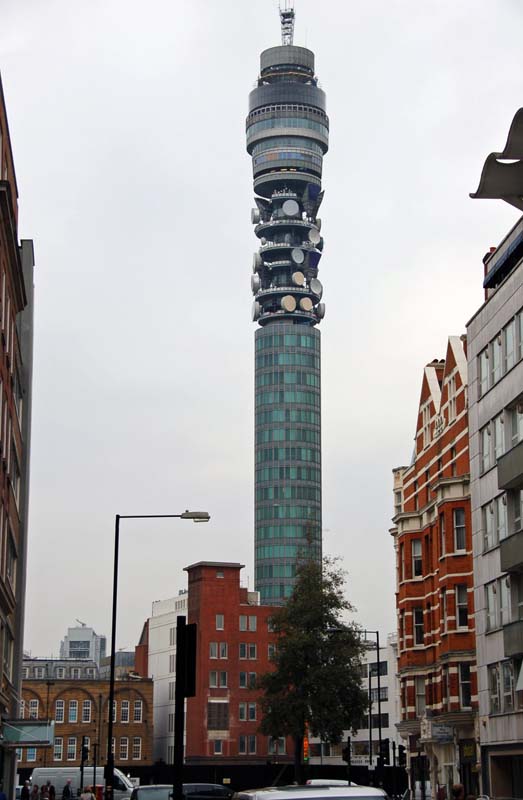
x: 380, y: 762
x: 95, y: 748
x: 370, y: 715
x: 394, y: 783
x: 109, y: 770
x: 179, y: 704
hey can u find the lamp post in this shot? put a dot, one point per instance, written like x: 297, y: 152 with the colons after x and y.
x: 378, y: 669
x: 196, y: 516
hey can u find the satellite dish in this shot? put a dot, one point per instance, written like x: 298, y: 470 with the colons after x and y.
x: 288, y: 303
x: 297, y: 255
x: 256, y: 310
x: 318, y: 223
x: 290, y: 208
x: 314, y: 236
x: 306, y: 304
x: 316, y: 287
x: 298, y: 278
x: 320, y: 310
x: 255, y: 283
x: 263, y: 240
x: 256, y: 262
x: 255, y: 216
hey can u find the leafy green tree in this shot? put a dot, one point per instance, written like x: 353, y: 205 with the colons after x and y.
x: 316, y: 681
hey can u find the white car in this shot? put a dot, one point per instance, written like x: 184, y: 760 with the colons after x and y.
x: 313, y: 792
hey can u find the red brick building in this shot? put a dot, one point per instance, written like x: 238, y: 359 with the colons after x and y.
x: 16, y: 334
x: 81, y: 708
x: 234, y: 646
x: 433, y: 543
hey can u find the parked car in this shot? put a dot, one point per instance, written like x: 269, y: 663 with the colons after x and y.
x: 324, y: 792
x: 192, y: 791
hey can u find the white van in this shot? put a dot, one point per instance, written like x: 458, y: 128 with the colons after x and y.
x: 309, y: 792
x: 60, y: 775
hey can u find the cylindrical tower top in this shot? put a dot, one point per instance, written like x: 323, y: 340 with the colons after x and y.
x: 287, y: 55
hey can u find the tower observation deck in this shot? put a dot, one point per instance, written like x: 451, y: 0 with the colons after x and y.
x: 287, y: 137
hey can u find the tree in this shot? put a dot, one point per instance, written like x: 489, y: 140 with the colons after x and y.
x: 316, y: 682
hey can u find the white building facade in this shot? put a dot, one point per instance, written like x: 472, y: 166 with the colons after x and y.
x: 366, y: 739
x: 83, y: 642
x: 161, y: 668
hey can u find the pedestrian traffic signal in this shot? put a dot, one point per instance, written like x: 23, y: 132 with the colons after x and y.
x: 85, y: 749
x: 306, y: 748
x: 385, y: 752
x: 402, y: 756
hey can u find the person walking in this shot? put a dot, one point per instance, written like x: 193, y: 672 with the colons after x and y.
x: 35, y: 794
x: 25, y: 794
x: 87, y: 794
x: 67, y: 793
x: 44, y: 792
x: 52, y: 791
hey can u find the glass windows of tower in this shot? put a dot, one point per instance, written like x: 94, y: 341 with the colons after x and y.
x: 283, y: 377
x: 288, y: 473
x: 277, y: 551
x: 304, y: 398
x: 277, y: 340
x: 276, y: 571
x: 287, y: 415
x: 288, y: 493
x: 275, y: 591
x: 287, y: 454
x: 287, y: 141
x: 288, y: 435
x: 286, y: 359
x: 287, y: 512
x: 287, y: 155
x: 283, y: 532
x: 286, y: 122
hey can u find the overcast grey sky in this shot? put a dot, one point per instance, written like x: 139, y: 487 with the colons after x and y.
x: 127, y: 124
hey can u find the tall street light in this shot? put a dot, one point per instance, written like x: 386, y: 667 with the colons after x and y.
x: 196, y: 516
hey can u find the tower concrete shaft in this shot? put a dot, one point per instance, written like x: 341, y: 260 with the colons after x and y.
x: 287, y: 137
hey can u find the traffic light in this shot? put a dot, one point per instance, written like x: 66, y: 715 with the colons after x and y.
x: 85, y: 749
x: 345, y: 753
x: 402, y: 756
x: 385, y: 752
x: 306, y: 747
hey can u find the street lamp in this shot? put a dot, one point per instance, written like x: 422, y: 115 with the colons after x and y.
x: 196, y: 516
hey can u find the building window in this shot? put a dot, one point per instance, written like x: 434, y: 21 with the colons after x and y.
x: 220, y: 622
x: 218, y: 747
x: 252, y: 744
x: 418, y: 625
x: 59, y: 711
x: 218, y: 679
x: 276, y: 747
x: 124, y: 711
x: 495, y: 360
x: 242, y: 712
x: 223, y: 649
x: 89, y: 672
x: 213, y: 679
x: 253, y: 620
x: 86, y: 711
x: 516, y: 424
x: 443, y: 549
x: 252, y: 712
x: 373, y: 666
x: 271, y: 651
x: 171, y: 723
x: 75, y: 673
x: 497, y: 600
x: 509, y: 345
x: 243, y: 650
x: 124, y: 748
x: 242, y: 745
x: 58, y: 751
x: 516, y: 506
x: 11, y: 561
x: 217, y: 716
x: 137, y: 748
x: 483, y: 370
x: 172, y: 637
x: 452, y: 398
x: 73, y: 712
x: 464, y: 685
x: 213, y: 650
x: 31, y: 754
x: 171, y: 690
x: 498, y: 428
x: 462, y: 612
x: 491, y: 605
x: 444, y: 610
x: 459, y: 529
x: 60, y: 673
x: 33, y: 709
x: 507, y: 673
x: 252, y: 651
x: 71, y: 748
x: 243, y: 622
x: 494, y: 689
x: 39, y: 673
x: 383, y: 694
x: 172, y: 662
x: 417, y: 559
x: 420, y: 696
x: 138, y: 710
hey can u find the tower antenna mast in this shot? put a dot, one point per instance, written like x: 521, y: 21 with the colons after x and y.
x: 287, y: 16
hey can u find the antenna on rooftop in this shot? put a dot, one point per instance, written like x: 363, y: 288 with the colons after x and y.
x: 287, y: 16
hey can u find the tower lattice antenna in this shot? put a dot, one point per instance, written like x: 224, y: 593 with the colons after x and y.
x: 287, y: 16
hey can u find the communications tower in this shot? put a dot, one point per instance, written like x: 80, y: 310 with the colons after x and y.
x: 287, y: 137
